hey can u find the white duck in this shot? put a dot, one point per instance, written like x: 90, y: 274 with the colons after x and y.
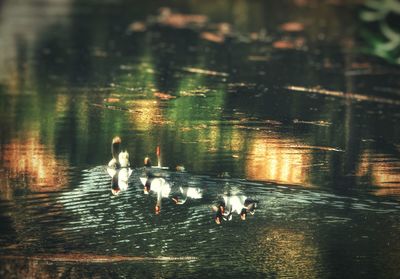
x: 157, y: 185
x: 118, y: 167
x: 187, y: 193
x: 239, y: 204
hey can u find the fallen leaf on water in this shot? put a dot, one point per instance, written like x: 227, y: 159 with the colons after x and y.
x: 283, y: 45
x: 204, y: 72
x: 111, y: 100
x: 212, y: 37
x: 364, y: 65
x: 176, y: 20
x: 137, y: 26
x: 225, y: 28
x: 163, y: 96
x: 317, y: 122
x: 342, y: 94
x: 190, y: 94
x: 292, y: 27
x: 289, y: 44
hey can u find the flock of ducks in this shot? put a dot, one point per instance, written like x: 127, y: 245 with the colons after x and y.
x: 119, y: 170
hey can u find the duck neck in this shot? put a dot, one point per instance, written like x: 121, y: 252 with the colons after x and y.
x: 115, y: 150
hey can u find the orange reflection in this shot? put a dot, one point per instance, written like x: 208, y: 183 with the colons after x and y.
x: 32, y: 163
x: 383, y: 171
x: 280, y: 160
x: 146, y: 113
x: 289, y: 253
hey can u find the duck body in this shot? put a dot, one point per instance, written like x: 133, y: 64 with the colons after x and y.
x: 157, y: 185
x: 239, y: 204
x: 187, y: 192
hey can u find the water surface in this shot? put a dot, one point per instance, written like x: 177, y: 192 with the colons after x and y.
x: 284, y: 108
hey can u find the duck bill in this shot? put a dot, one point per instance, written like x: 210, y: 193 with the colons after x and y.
x: 115, y: 192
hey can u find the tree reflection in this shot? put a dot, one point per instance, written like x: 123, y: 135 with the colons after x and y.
x: 282, y: 160
x: 32, y: 165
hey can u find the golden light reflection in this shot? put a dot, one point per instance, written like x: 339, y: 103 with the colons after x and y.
x: 383, y: 171
x: 289, y: 253
x: 279, y: 160
x: 146, y: 113
x: 31, y: 163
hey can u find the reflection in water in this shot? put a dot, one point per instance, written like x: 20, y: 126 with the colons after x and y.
x: 119, y: 179
x: 146, y: 114
x: 177, y: 191
x: 286, y: 230
x: 272, y: 158
x: 382, y: 170
x: 33, y: 165
x: 71, y: 82
x: 289, y: 251
x: 187, y: 192
x: 157, y: 185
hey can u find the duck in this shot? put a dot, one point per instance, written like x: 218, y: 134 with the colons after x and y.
x: 118, y: 167
x: 156, y: 185
x: 120, y: 159
x: 219, y: 210
x: 231, y: 204
x: 187, y: 192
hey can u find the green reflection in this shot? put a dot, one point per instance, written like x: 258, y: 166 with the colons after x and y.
x: 222, y: 112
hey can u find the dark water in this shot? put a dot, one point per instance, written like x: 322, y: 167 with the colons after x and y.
x: 299, y: 116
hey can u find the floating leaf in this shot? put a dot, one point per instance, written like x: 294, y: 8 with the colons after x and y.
x: 213, y: 37
x: 176, y: 20
x: 164, y: 96
x: 137, y: 26
x: 112, y: 100
x: 205, y: 72
x: 292, y: 27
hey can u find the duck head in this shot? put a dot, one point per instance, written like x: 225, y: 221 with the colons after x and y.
x: 147, y: 162
x: 146, y: 186
x: 243, y: 214
x: 115, y: 190
x: 250, y: 205
x: 115, y: 147
x: 157, y: 209
x: 219, y: 211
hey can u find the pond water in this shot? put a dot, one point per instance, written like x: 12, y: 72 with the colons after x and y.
x: 281, y: 103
